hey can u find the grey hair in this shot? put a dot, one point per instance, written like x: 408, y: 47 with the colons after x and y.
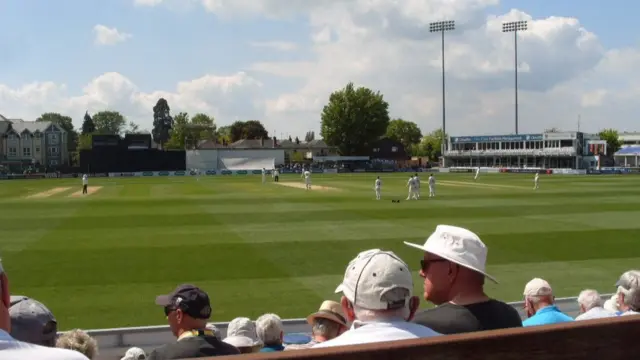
x: 589, y: 299
x: 325, y: 327
x: 269, y: 329
x: 79, y: 341
x: 631, y: 297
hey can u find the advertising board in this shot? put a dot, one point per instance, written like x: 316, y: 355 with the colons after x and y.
x: 210, y: 172
x: 147, y: 173
x: 460, y: 170
x: 163, y: 173
x: 226, y: 172
x: 179, y: 173
x: 241, y: 172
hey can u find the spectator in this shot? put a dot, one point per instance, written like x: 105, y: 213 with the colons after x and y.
x: 377, y: 298
x: 539, y: 304
x: 326, y: 324
x: 454, y: 273
x: 591, y: 306
x: 631, y: 304
x: 13, y: 349
x: 134, y: 353
x: 79, y: 341
x: 32, y: 322
x: 242, y: 334
x: 270, y: 332
x: 187, y: 309
x: 628, y: 282
x: 214, y: 328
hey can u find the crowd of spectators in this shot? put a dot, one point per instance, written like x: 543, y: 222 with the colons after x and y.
x: 377, y: 304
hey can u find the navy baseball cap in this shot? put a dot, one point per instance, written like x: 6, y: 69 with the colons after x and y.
x: 32, y: 322
x: 192, y: 300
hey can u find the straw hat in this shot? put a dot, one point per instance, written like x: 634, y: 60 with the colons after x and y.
x: 329, y: 310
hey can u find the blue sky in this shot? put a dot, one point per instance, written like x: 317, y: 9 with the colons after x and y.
x: 53, y: 41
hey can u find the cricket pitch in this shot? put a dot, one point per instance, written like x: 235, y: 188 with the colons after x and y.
x: 298, y: 185
x: 50, y: 192
x: 90, y: 190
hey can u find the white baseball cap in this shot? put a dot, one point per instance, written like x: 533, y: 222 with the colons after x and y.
x: 458, y: 245
x: 242, y: 333
x: 134, y: 353
x: 538, y: 287
x: 371, y: 275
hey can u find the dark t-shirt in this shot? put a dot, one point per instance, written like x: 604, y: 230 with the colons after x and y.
x: 193, y: 347
x: 455, y: 319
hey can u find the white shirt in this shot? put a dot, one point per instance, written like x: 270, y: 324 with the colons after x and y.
x: 12, y: 349
x: 378, y: 183
x: 629, y: 312
x: 477, y: 170
x: 306, y: 174
x: 536, y: 178
x: 85, y: 180
x: 595, y: 313
x: 416, y: 181
x: 411, y: 183
x: 275, y: 173
x: 432, y: 180
x: 371, y: 332
x: 264, y: 172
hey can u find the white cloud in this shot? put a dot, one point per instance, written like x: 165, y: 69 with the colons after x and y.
x: 109, y: 36
x: 224, y: 97
x: 275, y: 45
x: 386, y: 45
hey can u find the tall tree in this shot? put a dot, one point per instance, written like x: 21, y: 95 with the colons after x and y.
x: 430, y: 145
x: 85, y: 141
x: 297, y: 141
x: 309, y: 136
x: 179, y: 132
x: 291, y: 140
x: 254, y: 130
x: 612, y: 138
x: 353, y: 119
x: 88, y: 127
x: 64, y: 122
x: 236, y: 131
x: 224, y: 134
x: 203, y: 126
x: 406, y: 132
x: 132, y: 128
x: 109, y: 122
x: 162, y: 122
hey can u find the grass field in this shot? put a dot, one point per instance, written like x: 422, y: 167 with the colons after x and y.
x: 99, y: 260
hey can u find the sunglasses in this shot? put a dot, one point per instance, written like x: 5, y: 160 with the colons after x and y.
x: 424, y: 265
x: 168, y: 310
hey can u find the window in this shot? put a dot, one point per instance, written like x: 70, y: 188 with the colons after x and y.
x: 53, y: 138
x: 37, y: 149
x: 376, y: 150
x: 26, y: 151
x: 13, y: 136
x: 394, y: 149
x: 53, y: 150
x: 37, y: 135
x: 13, y: 151
x: 53, y: 162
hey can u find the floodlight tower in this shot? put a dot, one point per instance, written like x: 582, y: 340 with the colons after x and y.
x: 441, y: 27
x: 515, y: 27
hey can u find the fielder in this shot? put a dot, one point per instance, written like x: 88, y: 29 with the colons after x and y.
x: 432, y: 186
x: 411, y: 184
x: 536, y: 186
x: 307, y: 179
x: 416, y: 179
x: 85, y: 183
x: 477, y: 174
x: 276, y: 174
x: 377, y: 187
x: 264, y: 175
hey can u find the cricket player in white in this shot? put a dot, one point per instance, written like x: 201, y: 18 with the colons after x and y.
x: 411, y: 184
x: 264, y: 175
x: 377, y: 187
x: 276, y: 175
x: 535, y: 182
x: 85, y: 183
x: 477, y: 173
x: 432, y: 186
x: 416, y: 180
x: 307, y: 179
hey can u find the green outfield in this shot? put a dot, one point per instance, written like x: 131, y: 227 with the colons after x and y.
x: 99, y: 261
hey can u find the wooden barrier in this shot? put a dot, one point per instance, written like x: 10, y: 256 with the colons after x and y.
x: 609, y: 338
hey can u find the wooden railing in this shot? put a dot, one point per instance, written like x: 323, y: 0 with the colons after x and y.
x: 602, y: 339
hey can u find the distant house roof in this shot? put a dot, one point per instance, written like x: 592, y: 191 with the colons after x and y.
x: 629, y: 150
x: 209, y: 144
x: 19, y: 125
x: 4, y: 125
x: 284, y: 143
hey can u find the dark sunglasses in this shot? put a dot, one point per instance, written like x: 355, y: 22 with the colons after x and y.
x: 424, y: 265
x: 168, y: 310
